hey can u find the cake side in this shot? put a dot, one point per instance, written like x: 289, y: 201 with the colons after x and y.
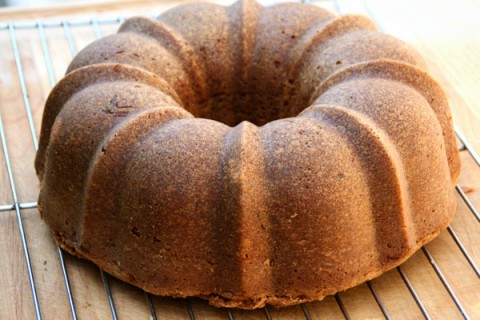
x: 81, y: 109
x: 398, y: 107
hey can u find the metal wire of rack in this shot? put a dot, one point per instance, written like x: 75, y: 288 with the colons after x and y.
x: 16, y: 206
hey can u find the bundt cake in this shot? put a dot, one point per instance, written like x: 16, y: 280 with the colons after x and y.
x: 247, y: 155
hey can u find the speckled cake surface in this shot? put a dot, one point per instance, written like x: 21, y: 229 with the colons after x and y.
x: 247, y: 155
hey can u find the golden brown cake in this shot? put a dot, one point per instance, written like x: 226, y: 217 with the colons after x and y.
x: 247, y: 155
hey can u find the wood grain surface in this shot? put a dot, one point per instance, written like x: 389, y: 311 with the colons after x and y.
x: 446, y: 33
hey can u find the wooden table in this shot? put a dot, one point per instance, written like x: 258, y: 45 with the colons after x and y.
x: 446, y: 33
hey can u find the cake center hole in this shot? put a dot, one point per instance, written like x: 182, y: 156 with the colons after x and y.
x: 259, y: 109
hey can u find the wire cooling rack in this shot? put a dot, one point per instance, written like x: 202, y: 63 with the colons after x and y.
x: 19, y: 207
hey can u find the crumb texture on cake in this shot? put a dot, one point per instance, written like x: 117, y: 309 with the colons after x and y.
x: 246, y: 154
